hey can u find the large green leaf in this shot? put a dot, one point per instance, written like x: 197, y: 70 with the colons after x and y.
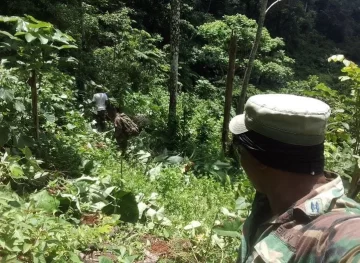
x: 32, y: 19
x: 26, y: 247
x: 175, y: 159
x: 227, y: 233
x: 50, y: 117
x: 103, y: 259
x: 68, y: 46
x: 39, y: 258
x: 74, y: 258
x: 27, y: 152
x: 9, y: 18
x: 43, y: 200
x: 20, y: 34
x: 229, y: 228
x: 16, y: 171
x: 8, y: 35
x: 41, y: 25
x: 6, y: 94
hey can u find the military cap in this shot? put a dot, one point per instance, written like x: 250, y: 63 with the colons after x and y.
x: 286, y: 118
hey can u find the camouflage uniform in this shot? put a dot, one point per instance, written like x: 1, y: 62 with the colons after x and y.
x: 324, y: 226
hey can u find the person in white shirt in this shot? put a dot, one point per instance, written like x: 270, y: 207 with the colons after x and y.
x: 101, y: 101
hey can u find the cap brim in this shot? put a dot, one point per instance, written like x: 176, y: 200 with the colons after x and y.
x: 237, y: 124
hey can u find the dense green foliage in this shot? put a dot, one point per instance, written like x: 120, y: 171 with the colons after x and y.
x: 69, y: 195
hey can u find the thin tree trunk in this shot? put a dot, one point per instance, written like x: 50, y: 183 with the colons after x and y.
x: 354, y: 185
x: 241, y: 104
x: 34, y: 99
x: 355, y: 178
x: 80, y: 72
x: 229, y: 91
x: 174, y: 46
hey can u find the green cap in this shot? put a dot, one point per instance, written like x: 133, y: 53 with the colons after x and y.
x: 287, y: 118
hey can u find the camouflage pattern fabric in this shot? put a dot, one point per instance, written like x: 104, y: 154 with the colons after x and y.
x: 324, y: 226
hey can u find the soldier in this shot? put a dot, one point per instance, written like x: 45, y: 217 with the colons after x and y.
x: 300, y: 212
x: 125, y: 128
x: 101, y: 102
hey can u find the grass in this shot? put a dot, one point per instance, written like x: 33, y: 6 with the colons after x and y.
x: 173, y: 201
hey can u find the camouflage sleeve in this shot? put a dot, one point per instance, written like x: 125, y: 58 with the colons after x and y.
x: 344, y: 242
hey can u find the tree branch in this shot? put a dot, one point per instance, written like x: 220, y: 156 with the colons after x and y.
x: 277, y: 1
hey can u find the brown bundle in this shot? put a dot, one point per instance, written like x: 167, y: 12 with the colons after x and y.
x: 124, y: 126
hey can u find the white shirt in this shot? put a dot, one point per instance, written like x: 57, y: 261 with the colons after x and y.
x: 100, y: 101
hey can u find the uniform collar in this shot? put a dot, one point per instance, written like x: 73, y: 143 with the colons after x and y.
x: 316, y: 203
x: 321, y: 199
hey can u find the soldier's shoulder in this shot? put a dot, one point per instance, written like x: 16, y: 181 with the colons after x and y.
x: 333, y: 236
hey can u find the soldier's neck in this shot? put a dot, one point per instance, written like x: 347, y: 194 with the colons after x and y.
x: 284, y: 191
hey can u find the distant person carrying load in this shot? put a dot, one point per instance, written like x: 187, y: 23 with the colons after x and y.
x: 300, y: 212
x: 101, y: 102
x: 125, y: 127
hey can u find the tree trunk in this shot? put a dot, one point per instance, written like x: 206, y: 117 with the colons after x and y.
x: 355, y: 183
x: 34, y: 98
x: 80, y: 83
x: 174, y: 47
x: 229, y: 91
x: 241, y: 104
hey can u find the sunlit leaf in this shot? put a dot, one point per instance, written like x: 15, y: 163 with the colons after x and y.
x: 346, y: 125
x: 22, y: 26
x: 108, y: 191
x: 19, y: 106
x: 241, y: 204
x: 340, y: 57
x: 344, y: 78
x: 226, y: 212
x: 49, y: 117
x: 74, y: 258
x: 98, y: 206
x: 20, y: 34
x: 29, y: 37
x: 27, y: 152
x: 26, y: 247
x: 40, y: 174
x: 192, y: 225
x: 67, y: 46
x: 6, y: 94
x: 175, y: 159
x: 9, y: 18
x: 103, y: 259
x: 227, y: 233
x: 70, y: 126
x: 229, y: 228
x: 141, y: 207
x: 155, y: 172
x: 43, y: 200
x: 43, y: 40
x: 217, y: 241
x: 346, y: 62
x: 16, y: 171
